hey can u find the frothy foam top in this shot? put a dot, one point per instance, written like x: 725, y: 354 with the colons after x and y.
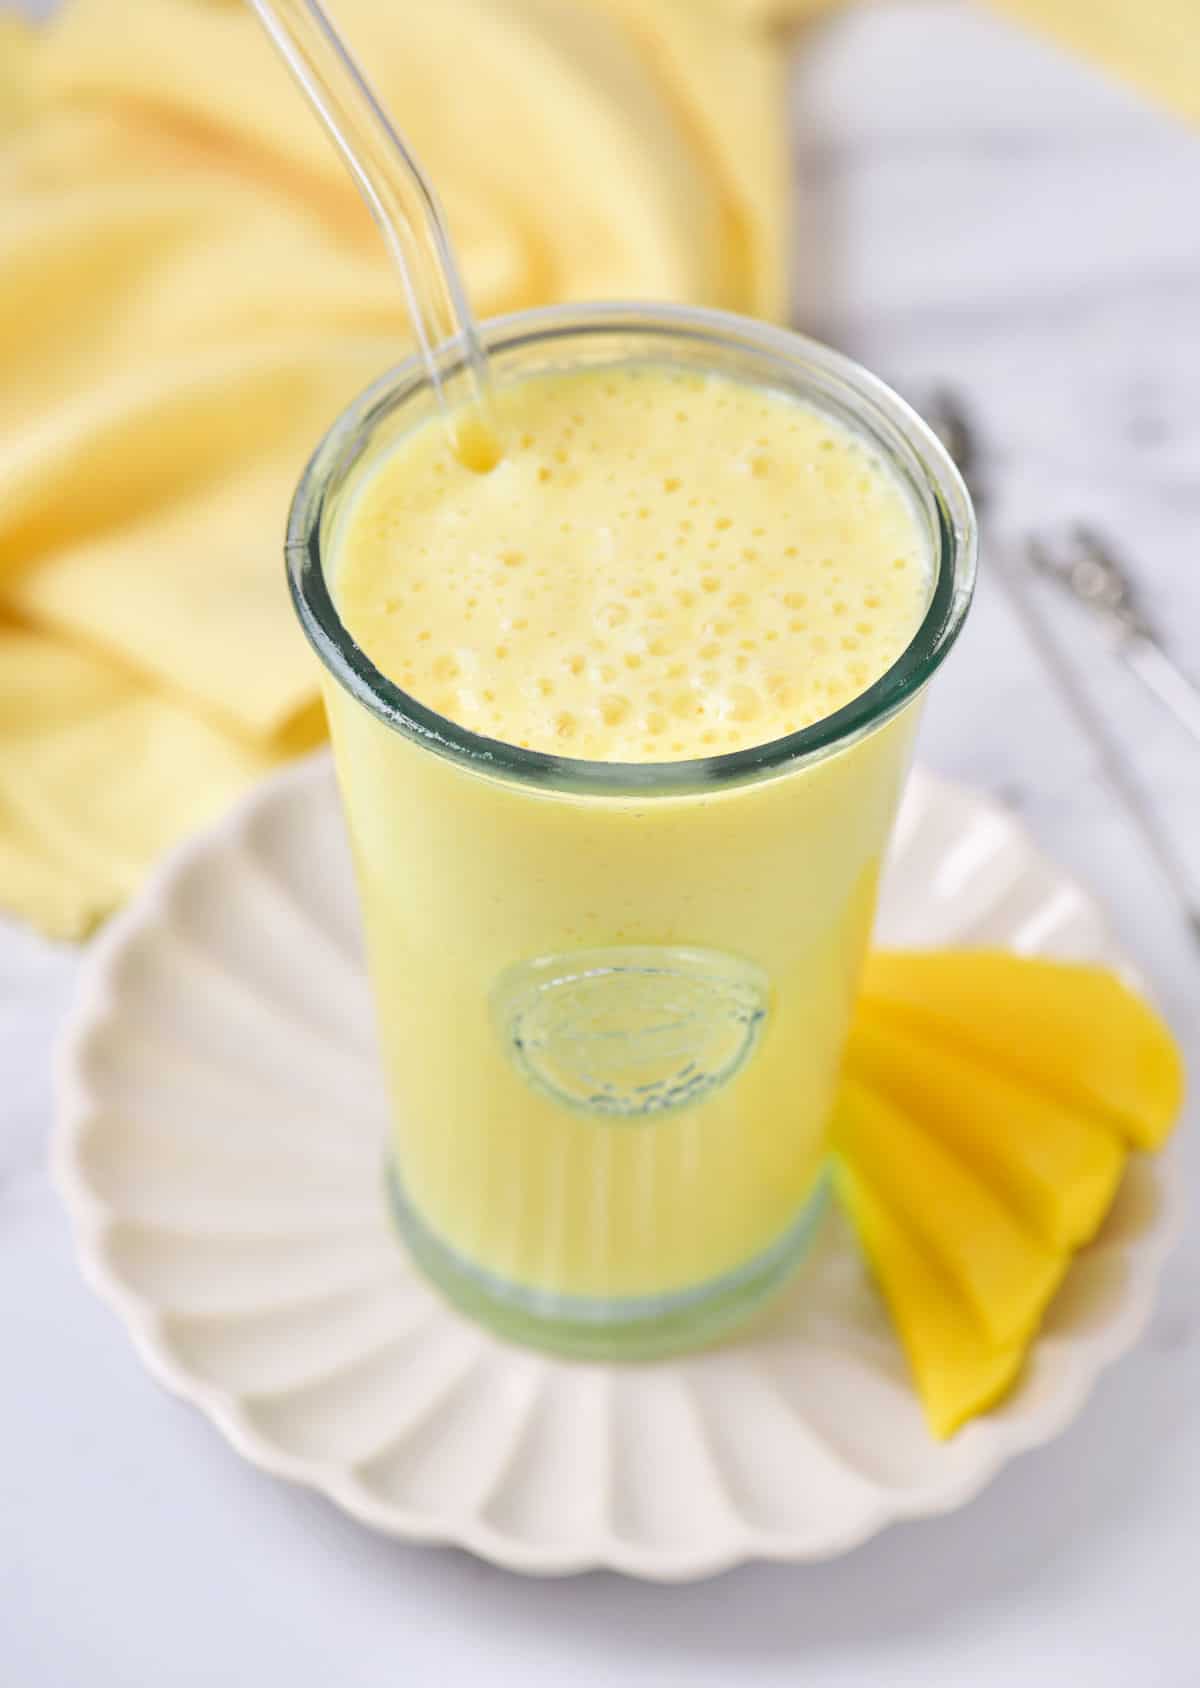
x: 664, y: 565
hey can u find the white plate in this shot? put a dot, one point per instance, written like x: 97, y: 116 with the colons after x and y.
x: 218, y: 1146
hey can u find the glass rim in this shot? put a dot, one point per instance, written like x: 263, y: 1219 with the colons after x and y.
x: 954, y: 538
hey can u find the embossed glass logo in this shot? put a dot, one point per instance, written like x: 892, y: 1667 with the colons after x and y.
x: 630, y: 1031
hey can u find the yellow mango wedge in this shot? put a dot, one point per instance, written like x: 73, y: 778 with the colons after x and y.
x: 958, y: 1372
x: 1055, y: 1166
x: 1072, y: 1031
x: 1004, y: 1272
x: 985, y: 1116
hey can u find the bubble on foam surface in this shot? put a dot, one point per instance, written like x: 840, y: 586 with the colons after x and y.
x: 665, y: 565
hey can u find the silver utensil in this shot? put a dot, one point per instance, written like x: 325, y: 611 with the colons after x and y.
x: 1085, y: 565
x: 947, y: 416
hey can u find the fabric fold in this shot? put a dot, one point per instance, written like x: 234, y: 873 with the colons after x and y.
x: 190, y: 290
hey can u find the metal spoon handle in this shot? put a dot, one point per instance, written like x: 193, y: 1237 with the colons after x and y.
x: 950, y: 421
x: 1090, y: 570
x: 1162, y: 676
x: 1115, y: 766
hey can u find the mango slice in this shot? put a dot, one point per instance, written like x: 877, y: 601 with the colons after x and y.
x: 1072, y: 1031
x: 1004, y: 1272
x: 981, y: 1131
x: 1056, y: 1167
x: 958, y: 1373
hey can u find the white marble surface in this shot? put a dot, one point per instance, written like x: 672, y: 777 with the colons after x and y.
x: 973, y: 209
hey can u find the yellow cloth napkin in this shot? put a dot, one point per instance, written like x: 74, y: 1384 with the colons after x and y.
x: 1154, y: 44
x: 190, y: 290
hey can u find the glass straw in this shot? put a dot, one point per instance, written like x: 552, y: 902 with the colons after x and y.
x: 405, y: 207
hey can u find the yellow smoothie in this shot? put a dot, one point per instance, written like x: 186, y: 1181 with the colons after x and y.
x: 664, y: 565
x: 613, y: 1021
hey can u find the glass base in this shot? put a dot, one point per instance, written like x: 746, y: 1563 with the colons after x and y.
x: 584, y: 1327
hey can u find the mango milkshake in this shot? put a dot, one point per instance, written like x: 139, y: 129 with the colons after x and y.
x: 614, y: 940
x: 664, y: 565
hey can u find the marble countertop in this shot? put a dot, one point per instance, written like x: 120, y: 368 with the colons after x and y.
x: 973, y: 209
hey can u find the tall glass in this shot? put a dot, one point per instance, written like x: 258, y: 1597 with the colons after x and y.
x: 612, y: 998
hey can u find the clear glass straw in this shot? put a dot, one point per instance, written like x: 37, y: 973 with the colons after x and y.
x: 406, y: 209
